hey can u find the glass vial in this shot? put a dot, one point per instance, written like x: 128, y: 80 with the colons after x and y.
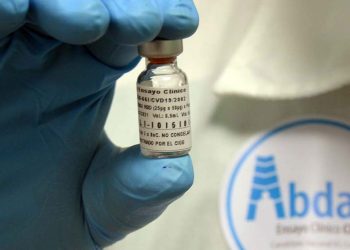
x: 163, y: 101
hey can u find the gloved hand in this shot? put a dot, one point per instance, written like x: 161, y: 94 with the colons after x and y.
x: 63, y: 184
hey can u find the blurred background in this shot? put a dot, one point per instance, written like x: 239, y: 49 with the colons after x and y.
x: 251, y: 65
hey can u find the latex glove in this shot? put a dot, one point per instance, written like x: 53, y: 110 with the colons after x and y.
x: 63, y: 184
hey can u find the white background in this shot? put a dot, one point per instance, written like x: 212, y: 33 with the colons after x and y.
x: 221, y: 125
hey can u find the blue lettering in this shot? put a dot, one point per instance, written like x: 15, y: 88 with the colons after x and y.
x: 327, y: 198
x: 344, y: 207
x: 298, y: 210
x: 322, y: 203
x: 265, y: 181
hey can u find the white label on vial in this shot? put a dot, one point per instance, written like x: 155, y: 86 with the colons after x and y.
x: 164, y: 118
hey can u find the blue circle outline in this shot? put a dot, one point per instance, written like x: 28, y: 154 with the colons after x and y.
x: 237, y: 167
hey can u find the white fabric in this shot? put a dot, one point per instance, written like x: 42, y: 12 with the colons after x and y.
x: 289, y: 49
x: 223, y: 124
x: 221, y: 127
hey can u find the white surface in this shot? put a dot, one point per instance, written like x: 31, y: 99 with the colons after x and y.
x: 289, y: 48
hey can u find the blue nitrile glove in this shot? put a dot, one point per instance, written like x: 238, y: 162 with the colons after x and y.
x: 63, y: 184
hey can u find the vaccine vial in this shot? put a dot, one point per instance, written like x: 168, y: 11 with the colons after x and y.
x: 163, y: 101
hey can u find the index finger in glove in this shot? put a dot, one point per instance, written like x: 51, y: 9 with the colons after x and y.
x: 134, y: 22
x: 180, y: 19
x: 74, y: 22
x: 12, y: 15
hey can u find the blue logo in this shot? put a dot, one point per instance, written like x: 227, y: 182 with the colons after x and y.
x: 265, y: 180
x: 293, y: 198
x: 322, y: 203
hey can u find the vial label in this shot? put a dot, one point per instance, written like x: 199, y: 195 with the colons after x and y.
x: 164, y: 118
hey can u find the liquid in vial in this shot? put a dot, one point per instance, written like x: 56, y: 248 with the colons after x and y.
x: 163, y: 102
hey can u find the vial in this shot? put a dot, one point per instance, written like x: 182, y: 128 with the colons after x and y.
x: 163, y: 101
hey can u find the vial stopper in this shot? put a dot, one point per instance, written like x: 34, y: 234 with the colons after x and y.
x: 161, y: 48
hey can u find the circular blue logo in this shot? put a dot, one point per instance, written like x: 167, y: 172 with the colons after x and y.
x: 270, y: 201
